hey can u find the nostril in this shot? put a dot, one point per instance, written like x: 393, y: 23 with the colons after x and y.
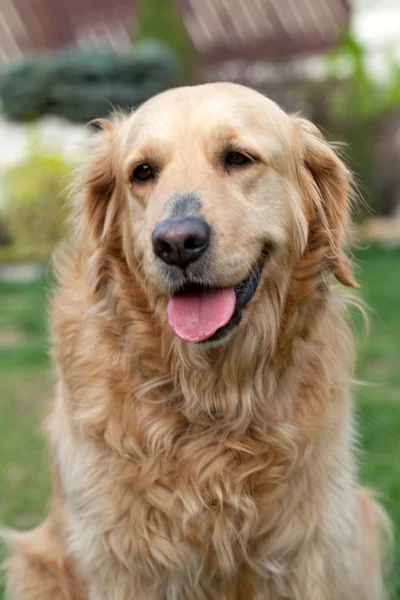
x: 191, y: 244
x: 165, y: 247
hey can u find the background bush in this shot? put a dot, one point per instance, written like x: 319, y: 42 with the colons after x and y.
x: 34, y: 204
x: 84, y: 84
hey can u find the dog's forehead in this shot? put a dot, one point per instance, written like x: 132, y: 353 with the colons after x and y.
x: 209, y: 110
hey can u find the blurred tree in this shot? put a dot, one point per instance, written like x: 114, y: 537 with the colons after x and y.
x: 364, y: 113
x: 357, y: 92
x: 159, y: 20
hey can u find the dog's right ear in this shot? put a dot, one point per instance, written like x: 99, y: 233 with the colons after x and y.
x: 98, y: 205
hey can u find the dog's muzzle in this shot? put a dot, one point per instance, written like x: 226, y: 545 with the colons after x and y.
x: 198, y: 313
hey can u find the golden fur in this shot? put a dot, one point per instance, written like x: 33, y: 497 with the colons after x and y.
x: 197, y: 472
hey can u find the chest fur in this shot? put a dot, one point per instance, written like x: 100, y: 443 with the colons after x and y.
x: 195, y: 503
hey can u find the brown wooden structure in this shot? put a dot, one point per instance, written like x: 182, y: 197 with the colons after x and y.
x: 40, y: 25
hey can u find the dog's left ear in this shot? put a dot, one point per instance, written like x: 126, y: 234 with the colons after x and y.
x: 327, y: 184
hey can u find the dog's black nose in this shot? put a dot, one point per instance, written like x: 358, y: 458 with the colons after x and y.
x: 181, y: 242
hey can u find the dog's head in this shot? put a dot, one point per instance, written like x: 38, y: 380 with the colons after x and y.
x: 214, y: 196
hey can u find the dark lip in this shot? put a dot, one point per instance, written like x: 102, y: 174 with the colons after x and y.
x: 244, y: 292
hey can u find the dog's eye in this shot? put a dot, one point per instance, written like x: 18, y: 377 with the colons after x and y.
x: 142, y: 173
x: 236, y: 159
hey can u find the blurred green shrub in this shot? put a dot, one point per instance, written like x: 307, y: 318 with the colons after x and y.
x: 84, y: 84
x: 34, y: 204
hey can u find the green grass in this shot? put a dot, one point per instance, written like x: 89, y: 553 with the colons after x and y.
x: 378, y: 402
x: 25, y: 385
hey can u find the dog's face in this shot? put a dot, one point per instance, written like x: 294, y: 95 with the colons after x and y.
x: 218, y: 201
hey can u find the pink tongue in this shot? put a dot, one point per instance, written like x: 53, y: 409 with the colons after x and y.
x: 195, y: 317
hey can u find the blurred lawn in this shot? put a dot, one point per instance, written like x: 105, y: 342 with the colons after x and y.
x: 25, y: 386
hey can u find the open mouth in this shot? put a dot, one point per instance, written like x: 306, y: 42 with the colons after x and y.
x: 200, y: 314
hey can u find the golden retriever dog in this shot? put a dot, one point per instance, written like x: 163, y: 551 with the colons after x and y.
x: 202, y: 437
